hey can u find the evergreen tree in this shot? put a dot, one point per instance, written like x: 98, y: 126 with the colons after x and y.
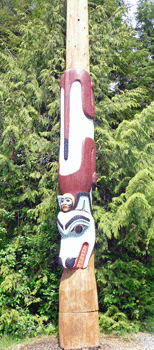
x: 145, y: 35
x: 145, y: 25
x: 29, y: 148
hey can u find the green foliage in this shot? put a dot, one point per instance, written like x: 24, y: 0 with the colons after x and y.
x: 124, y: 284
x: 30, y: 295
x: 115, y: 321
x: 19, y: 326
x: 145, y: 34
x: 125, y: 270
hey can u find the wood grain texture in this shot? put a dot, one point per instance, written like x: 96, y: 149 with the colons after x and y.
x: 78, y: 308
x: 77, y: 35
x: 78, y: 290
x: 79, y: 330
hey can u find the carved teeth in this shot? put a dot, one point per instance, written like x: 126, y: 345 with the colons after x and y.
x: 82, y: 254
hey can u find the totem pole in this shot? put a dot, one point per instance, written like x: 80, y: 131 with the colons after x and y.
x: 78, y: 301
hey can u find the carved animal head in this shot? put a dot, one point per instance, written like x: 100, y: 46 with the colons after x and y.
x: 77, y: 232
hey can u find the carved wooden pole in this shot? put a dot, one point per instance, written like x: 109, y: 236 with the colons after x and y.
x: 77, y: 44
x: 78, y: 301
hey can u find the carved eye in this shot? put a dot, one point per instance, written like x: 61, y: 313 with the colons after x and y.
x: 78, y: 228
x: 68, y: 201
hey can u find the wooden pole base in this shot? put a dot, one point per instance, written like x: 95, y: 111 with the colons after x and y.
x: 78, y: 308
x: 78, y: 330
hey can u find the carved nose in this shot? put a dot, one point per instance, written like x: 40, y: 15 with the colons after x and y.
x: 70, y: 262
x: 60, y: 262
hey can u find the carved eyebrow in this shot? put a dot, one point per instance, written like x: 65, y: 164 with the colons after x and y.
x: 77, y: 217
x: 59, y: 223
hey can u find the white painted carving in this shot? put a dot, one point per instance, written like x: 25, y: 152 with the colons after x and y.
x: 80, y: 220
x: 80, y: 127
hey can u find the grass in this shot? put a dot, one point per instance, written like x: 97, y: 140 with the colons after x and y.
x: 10, y: 343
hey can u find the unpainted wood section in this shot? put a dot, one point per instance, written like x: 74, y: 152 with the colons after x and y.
x: 78, y: 290
x: 78, y: 330
x: 77, y: 35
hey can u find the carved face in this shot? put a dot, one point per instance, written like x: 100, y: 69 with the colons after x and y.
x: 77, y: 232
x: 66, y: 202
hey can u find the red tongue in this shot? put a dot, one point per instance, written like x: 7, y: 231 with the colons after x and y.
x: 82, y: 256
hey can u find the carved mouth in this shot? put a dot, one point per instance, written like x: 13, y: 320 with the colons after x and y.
x: 81, y: 257
x: 65, y: 207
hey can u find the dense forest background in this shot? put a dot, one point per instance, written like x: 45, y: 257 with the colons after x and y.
x: 32, y: 60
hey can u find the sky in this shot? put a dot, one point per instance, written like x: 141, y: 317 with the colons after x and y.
x: 133, y: 4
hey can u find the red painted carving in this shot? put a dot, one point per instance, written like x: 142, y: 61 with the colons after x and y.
x: 84, y: 245
x: 88, y: 106
x: 81, y: 180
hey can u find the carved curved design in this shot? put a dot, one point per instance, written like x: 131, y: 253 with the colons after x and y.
x: 77, y: 232
x: 77, y: 169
